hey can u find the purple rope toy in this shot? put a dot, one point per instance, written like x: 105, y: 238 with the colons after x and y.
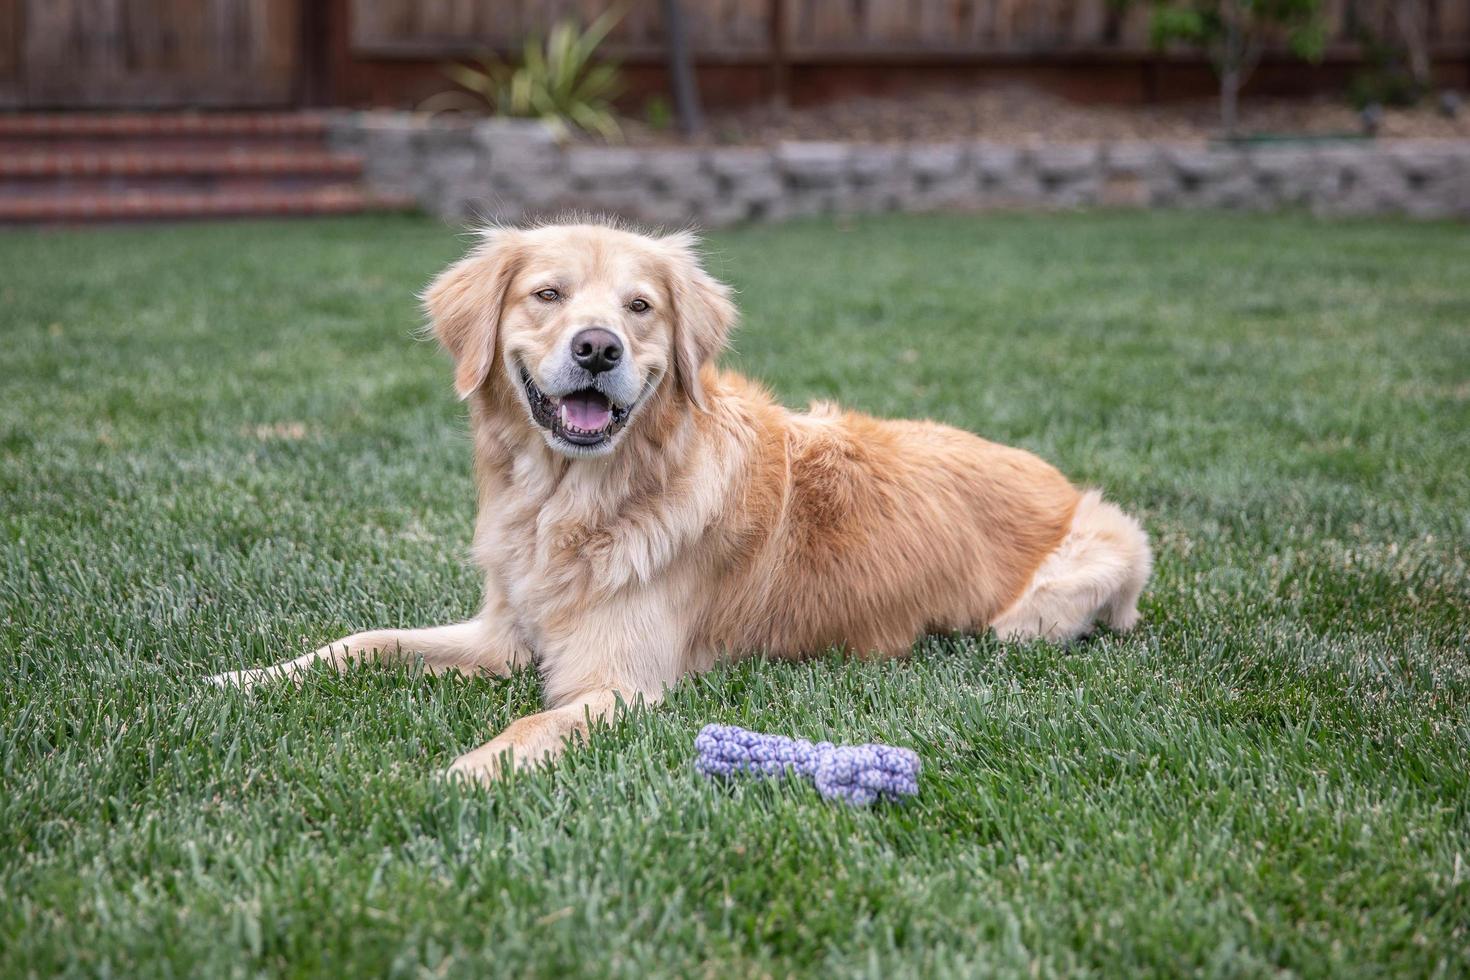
x: 855, y: 774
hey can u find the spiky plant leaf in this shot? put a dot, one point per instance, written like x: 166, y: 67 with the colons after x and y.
x: 558, y: 80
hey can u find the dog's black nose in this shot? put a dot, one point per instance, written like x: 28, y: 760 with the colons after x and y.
x: 597, y: 349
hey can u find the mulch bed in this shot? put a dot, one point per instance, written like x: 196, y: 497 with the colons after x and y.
x: 1014, y: 115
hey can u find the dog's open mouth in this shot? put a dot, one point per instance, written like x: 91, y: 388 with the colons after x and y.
x: 583, y: 418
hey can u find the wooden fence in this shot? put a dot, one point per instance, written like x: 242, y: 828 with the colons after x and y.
x: 820, y: 30
x: 148, y: 52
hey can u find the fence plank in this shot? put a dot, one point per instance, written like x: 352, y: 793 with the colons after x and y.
x: 10, y: 46
x: 160, y: 52
x: 1452, y: 20
x: 816, y: 28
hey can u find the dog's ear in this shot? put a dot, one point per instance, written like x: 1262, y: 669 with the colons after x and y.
x: 703, y: 315
x: 465, y: 302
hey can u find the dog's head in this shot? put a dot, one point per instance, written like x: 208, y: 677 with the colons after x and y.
x: 585, y: 323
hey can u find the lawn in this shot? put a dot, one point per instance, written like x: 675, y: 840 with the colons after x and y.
x: 223, y: 445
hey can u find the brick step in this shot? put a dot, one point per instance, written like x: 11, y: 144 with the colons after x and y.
x: 151, y: 162
x: 136, y: 166
x: 162, y: 144
x: 154, y: 205
x: 11, y: 188
x: 151, y: 125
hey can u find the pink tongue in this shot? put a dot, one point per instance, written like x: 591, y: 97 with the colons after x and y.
x: 589, y: 411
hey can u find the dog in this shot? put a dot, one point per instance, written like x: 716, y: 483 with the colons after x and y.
x: 644, y: 516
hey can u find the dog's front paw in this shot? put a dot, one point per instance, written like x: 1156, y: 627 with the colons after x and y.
x: 482, y: 766
x: 243, y: 679
x: 247, y: 679
x: 491, y: 762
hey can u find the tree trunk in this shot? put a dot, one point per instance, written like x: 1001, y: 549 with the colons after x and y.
x: 1231, y: 66
x: 780, y: 77
x: 1229, y: 99
x: 1410, y: 17
x: 686, y: 92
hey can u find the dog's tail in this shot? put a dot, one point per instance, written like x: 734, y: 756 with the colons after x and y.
x: 1119, y: 546
x: 1097, y: 572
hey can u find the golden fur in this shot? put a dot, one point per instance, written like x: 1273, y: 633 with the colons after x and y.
x: 718, y: 524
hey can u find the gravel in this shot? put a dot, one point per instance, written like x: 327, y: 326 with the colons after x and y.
x: 1026, y: 116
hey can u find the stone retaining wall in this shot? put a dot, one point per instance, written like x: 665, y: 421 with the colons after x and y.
x: 507, y: 170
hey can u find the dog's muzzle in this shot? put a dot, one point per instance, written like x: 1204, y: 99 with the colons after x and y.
x: 585, y: 418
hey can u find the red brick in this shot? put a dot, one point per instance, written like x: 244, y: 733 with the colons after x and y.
x: 142, y: 205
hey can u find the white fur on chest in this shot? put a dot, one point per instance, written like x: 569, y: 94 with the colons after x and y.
x: 558, y: 541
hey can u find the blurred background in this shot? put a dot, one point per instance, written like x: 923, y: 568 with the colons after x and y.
x: 139, y: 108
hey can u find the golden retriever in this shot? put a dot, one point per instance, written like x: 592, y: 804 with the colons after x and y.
x: 643, y: 516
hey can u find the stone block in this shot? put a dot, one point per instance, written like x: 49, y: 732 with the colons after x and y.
x: 1236, y: 191
x: 1132, y: 158
x: 603, y: 166
x: 997, y: 162
x: 1280, y: 161
x: 673, y: 163
x: 346, y: 131
x: 678, y: 172
x: 763, y: 187
x: 515, y: 134
x: 625, y: 201
x: 1021, y: 188
x: 1066, y: 161
x: 813, y: 164
x: 740, y: 163
x: 457, y: 203
x: 723, y: 212
x: 1123, y: 190
x: 934, y: 162
x: 388, y: 130
x: 1285, y: 176
x: 1448, y: 196
x: 804, y: 203
x: 542, y: 192
x: 1371, y: 183
x: 666, y: 213
x: 1083, y: 191
x: 871, y: 162
x: 455, y: 164
x: 1195, y: 165
x: 445, y: 136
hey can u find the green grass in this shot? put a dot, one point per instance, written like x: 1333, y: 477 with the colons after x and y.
x: 223, y: 445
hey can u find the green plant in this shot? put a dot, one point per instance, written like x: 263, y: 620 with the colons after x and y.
x: 1411, y: 20
x: 1394, y: 38
x: 657, y: 113
x: 558, y: 81
x: 1383, y: 80
x: 1234, y: 32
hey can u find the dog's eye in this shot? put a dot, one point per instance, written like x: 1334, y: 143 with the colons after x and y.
x: 639, y: 305
x: 548, y: 295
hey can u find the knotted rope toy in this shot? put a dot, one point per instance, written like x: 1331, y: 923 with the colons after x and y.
x: 855, y: 774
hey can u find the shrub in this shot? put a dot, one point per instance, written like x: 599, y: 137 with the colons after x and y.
x: 1234, y: 32
x: 558, y: 81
